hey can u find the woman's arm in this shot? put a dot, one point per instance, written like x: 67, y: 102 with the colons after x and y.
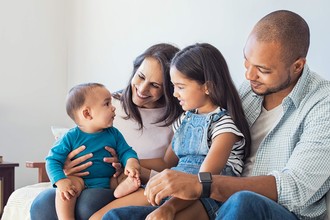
x: 156, y: 164
x: 159, y: 164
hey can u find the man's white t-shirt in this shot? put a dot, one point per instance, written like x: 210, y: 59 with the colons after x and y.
x: 259, y: 130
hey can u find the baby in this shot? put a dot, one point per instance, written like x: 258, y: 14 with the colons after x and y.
x: 89, y: 106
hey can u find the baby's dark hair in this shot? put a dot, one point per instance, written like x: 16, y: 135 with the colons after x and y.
x: 77, y: 96
x: 205, y: 64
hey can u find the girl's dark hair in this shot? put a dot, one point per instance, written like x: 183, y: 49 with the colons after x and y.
x: 205, y: 64
x: 163, y: 53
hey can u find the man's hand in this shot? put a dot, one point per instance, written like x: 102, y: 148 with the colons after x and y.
x: 71, y: 167
x: 172, y: 183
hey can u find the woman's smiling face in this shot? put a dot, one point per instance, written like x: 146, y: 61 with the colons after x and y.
x: 147, y: 84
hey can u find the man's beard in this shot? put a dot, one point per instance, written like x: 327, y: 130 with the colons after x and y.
x: 269, y: 91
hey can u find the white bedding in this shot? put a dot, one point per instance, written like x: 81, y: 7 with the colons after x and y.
x: 19, y: 202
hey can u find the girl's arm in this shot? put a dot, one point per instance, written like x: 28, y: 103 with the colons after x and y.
x: 214, y: 162
x: 219, y: 153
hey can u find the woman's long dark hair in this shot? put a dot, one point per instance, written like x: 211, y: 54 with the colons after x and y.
x: 163, y: 53
x: 205, y: 64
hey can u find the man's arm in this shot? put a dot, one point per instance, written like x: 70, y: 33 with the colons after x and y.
x: 187, y: 187
x: 224, y: 186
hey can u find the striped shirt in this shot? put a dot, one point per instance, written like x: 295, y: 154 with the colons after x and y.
x: 296, y: 151
x: 224, y: 124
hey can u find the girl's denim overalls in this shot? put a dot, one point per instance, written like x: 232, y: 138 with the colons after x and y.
x: 190, y: 144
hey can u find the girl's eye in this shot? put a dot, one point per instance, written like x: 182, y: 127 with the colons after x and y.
x: 179, y: 87
x: 107, y: 103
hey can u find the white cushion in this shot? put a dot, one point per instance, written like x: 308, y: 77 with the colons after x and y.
x: 58, y: 132
x: 19, y: 202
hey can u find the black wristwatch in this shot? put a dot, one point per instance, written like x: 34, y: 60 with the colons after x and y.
x: 205, y: 178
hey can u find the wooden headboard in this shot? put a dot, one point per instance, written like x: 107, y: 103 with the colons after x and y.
x: 42, y: 174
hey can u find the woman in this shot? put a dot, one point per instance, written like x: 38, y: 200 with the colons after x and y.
x: 210, y: 137
x: 145, y: 110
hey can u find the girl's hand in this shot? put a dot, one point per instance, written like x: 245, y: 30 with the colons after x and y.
x: 71, y: 167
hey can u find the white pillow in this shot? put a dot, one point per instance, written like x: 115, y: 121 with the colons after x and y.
x: 58, y: 131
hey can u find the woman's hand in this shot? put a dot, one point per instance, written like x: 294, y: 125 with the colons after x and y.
x: 114, y: 161
x: 71, y: 167
x: 172, y: 183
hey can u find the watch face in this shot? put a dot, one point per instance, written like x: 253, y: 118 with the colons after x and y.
x: 205, y: 177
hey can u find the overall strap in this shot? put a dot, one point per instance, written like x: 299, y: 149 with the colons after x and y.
x: 217, y: 116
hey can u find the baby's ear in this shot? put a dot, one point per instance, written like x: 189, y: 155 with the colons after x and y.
x: 86, y: 112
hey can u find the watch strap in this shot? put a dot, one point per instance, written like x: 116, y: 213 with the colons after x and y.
x: 206, y: 189
x: 205, y: 178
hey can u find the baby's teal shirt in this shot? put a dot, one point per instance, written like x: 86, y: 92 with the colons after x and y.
x: 100, y: 172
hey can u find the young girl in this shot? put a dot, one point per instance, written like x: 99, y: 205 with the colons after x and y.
x: 212, y: 134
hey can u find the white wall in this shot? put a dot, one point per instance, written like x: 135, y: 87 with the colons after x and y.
x: 105, y: 36
x: 47, y: 46
x: 33, y: 78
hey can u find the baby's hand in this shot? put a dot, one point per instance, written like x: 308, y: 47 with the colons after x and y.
x: 66, y: 189
x: 132, y: 168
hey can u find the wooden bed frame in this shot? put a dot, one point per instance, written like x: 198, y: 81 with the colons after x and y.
x: 42, y: 174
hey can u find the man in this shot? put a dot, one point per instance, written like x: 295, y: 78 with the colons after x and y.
x: 287, y: 106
